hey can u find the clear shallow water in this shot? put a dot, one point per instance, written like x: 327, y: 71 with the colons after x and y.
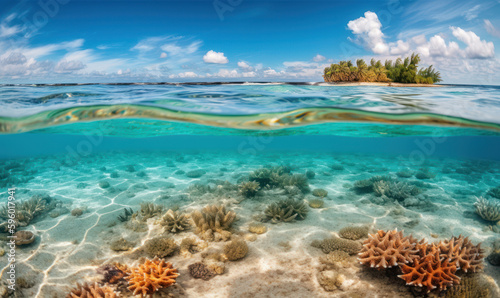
x: 97, y: 149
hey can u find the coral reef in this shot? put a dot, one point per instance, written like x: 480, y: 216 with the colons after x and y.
x: 249, y: 189
x: 200, y: 270
x: 236, y: 250
x: 494, y: 192
x: 470, y: 286
x: 257, y: 228
x: 175, y: 221
x: 366, y: 186
x: 91, y: 291
x: 279, y: 177
x: 196, y: 173
x: 429, y: 266
x: 77, y: 212
x: 127, y: 214
x: 388, y: 249
x: 286, y: 210
x: 190, y: 246
x: 316, y: 203
x: 354, y: 232
x: 488, y: 210
x: 214, y: 218
x: 334, y: 257
x: 425, y: 173
x: 332, y: 244
x: 319, y: 192
x: 151, y: 276
x: 395, y: 190
x: 405, y: 173
x: 160, y: 247
x: 29, y: 210
x: 112, y: 274
x: 494, y: 258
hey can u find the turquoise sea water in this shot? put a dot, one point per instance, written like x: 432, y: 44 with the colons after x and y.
x: 86, y: 152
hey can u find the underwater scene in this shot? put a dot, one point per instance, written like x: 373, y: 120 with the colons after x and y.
x: 249, y: 190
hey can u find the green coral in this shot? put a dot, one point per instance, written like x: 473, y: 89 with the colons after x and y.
x: 236, y: 250
x: 249, y: 189
x: 488, y: 210
x: 175, y: 221
x: 286, y: 210
x: 160, y: 247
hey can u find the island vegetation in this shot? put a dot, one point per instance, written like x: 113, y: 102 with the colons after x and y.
x: 401, y: 71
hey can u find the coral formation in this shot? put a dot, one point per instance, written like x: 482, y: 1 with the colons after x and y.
x: 430, y: 266
x: 470, y: 286
x: 354, y: 232
x: 332, y: 244
x: 388, y: 249
x: 279, y: 177
x: 112, y: 274
x: 196, y: 173
x: 330, y: 280
x: 147, y: 211
x: 236, y: 250
x: 91, y: 291
x: 405, y: 173
x: 316, y: 203
x: 77, y: 212
x: 190, y: 246
x: 24, y: 237
x: 160, y: 247
x: 214, y: 218
x: 175, y: 222
x: 286, y: 210
x: 395, y: 190
x: 29, y: 210
x: 257, y: 228
x: 425, y: 173
x: 319, y: 192
x: 487, y: 209
x: 200, y: 270
x: 127, y: 214
x: 121, y: 245
x: 430, y: 271
x: 494, y: 192
x: 365, y: 186
x: 333, y: 257
x: 249, y: 189
x: 151, y: 276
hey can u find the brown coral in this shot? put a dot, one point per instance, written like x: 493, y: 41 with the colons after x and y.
x: 200, y: 270
x: 175, y: 222
x: 91, y: 291
x: 430, y: 271
x: 388, y: 249
x: 151, y: 276
x: 214, y: 218
x: 462, y: 253
x: 331, y: 244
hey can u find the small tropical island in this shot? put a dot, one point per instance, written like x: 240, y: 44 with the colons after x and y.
x: 399, y: 73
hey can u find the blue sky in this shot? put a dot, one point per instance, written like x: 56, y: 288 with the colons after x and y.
x: 243, y: 40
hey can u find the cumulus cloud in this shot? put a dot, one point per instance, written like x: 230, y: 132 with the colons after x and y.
x: 476, y: 48
x: 15, y: 58
x: 187, y: 74
x: 245, y: 66
x: 319, y: 58
x: 368, y: 31
x: 163, y: 55
x: 215, y: 57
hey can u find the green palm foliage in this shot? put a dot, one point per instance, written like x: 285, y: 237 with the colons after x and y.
x: 401, y: 71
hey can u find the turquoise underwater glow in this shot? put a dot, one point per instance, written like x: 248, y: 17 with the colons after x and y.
x: 107, y: 174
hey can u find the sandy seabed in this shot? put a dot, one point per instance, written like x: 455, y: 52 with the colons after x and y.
x: 280, y: 262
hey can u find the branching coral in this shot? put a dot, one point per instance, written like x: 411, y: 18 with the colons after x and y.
x: 127, y: 214
x: 28, y: 210
x: 279, y: 177
x: 151, y: 276
x: 388, y: 249
x: 286, y: 210
x: 430, y: 271
x: 91, y: 291
x: 160, y: 247
x: 249, y: 189
x: 214, y: 218
x: 430, y: 266
x: 148, y: 210
x: 354, y: 233
x: 395, y: 190
x: 488, y: 209
x: 366, y: 185
x: 175, y: 222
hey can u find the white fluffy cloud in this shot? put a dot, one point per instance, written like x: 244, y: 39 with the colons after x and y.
x: 245, y: 66
x: 368, y: 31
x: 215, y: 57
x: 163, y: 55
